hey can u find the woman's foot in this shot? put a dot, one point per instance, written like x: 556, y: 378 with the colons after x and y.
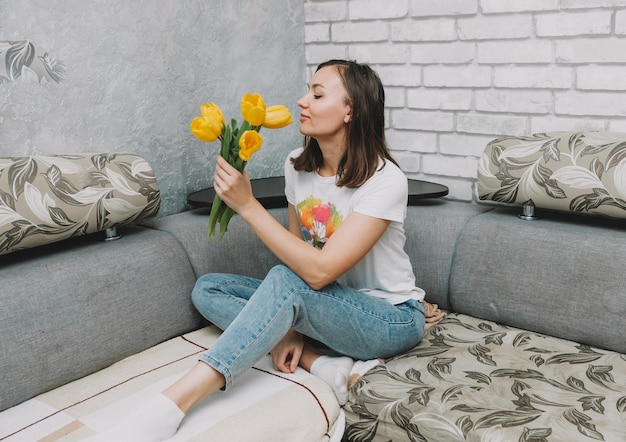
x: 360, y: 368
x: 335, y: 371
x: 154, y: 421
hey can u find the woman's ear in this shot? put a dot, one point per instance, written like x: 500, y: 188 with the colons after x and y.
x: 348, y: 117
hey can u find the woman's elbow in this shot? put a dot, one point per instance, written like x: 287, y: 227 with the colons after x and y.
x: 319, y: 280
x: 316, y: 285
x: 317, y: 271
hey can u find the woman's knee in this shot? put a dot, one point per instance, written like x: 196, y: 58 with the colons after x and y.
x: 205, y: 286
x: 279, y: 271
x: 280, y: 284
x: 281, y: 278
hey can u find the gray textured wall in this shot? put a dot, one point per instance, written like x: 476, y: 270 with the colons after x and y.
x: 137, y: 72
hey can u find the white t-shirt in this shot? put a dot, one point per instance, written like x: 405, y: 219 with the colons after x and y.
x: 386, y: 270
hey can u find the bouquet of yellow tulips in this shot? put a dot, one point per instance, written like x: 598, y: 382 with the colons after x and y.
x: 237, y: 143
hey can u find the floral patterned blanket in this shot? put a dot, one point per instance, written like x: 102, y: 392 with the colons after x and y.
x: 475, y: 380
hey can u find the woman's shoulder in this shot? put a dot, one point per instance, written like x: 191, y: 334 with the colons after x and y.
x: 389, y: 171
x: 388, y: 180
x: 291, y: 175
x: 295, y: 153
x: 384, y: 194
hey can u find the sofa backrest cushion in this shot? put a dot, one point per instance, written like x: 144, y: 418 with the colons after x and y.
x: 71, y: 308
x: 583, y: 172
x: 44, y: 199
x: 559, y: 275
x: 432, y: 229
x: 240, y: 251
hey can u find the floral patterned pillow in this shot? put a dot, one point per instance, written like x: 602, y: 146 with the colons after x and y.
x: 582, y: 172
x: 45, y: 199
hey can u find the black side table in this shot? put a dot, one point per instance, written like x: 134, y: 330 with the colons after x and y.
x: 271, y: 192
x: 420, y: 190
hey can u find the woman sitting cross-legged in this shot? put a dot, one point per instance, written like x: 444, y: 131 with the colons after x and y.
x: 345, y: 280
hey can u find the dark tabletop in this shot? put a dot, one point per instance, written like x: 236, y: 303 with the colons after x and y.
x: 271, y: 192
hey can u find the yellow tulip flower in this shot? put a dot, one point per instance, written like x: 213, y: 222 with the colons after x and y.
x: 277, y: 116
x: 209, y: 126
x: 212, y: 111
x: 205, y: 129
x: 253, y: 109
x: 239, y: 142
x: 249, y: 143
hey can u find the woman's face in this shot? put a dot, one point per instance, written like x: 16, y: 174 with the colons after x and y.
x: 325, y: 111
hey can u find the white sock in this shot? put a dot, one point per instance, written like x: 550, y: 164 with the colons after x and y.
x: 360, y: 368
x: 335, y: 371
x: 154, y: 421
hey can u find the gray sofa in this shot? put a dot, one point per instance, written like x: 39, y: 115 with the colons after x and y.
x: 533, y: 347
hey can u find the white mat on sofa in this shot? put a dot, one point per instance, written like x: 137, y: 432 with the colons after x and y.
x: 264, y: 405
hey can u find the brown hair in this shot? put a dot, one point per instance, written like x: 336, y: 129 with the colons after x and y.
x: 365, y: 132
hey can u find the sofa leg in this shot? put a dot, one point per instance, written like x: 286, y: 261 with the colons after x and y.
x: 528, y: 211
x: 111, y: 234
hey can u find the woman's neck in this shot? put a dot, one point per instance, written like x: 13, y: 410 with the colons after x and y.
x: 331, y: 154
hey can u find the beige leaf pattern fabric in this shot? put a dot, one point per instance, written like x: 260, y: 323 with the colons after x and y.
x: 45, y: 199
x: 475, y: 380
x: 582, y: 172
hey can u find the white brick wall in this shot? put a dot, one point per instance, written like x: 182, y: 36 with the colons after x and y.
x: 459, y: 73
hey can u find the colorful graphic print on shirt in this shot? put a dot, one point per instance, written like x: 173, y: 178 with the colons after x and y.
x: 318, y: 220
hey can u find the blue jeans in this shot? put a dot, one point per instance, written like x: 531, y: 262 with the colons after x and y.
x: 346, y: 320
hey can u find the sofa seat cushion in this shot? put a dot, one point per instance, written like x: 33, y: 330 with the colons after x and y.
x: 262, y: 405
x: 471, y: 379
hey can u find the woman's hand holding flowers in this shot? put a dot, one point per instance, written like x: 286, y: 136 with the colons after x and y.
x: 238, y: 145
x: 233, y: 187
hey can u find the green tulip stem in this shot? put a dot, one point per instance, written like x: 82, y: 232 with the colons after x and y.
x: 217, y: 208
x: 224, y: 220
x: 227, y: 139
x: 220, y: 212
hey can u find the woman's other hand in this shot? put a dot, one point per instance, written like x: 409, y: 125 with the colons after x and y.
x: 433, y: 314
x: 286, y: 354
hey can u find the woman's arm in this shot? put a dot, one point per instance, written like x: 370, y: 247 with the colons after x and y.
x: 350, y: 242
x: 294, y: 224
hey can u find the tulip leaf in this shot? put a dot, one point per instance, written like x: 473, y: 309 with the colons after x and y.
x: 226, y: 142
x: 216, y: 210
x: 224, y: 219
